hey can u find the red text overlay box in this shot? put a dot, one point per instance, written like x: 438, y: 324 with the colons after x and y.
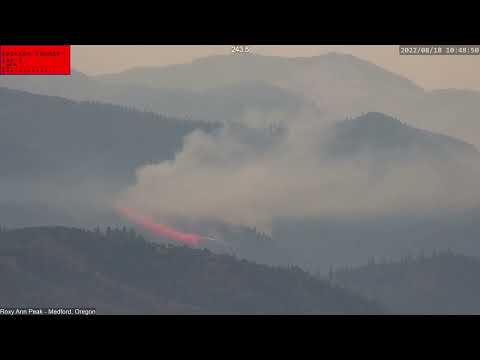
x: 34, y: 59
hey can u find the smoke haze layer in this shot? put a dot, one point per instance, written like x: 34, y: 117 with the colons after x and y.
x: 302, y: 173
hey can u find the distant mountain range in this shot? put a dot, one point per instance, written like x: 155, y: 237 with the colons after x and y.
x: 118, y: 272
x: 339, y: 84
x: 51, y: 135
x: 224, y: 70
x: 333, y: 85
x: 256, y: 103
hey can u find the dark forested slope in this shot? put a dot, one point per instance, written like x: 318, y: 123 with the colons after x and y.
x: 118, y: 272
x: 444, y: 283
x: 42, y: 135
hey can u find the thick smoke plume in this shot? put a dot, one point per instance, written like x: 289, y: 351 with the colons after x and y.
x: 229, y: 177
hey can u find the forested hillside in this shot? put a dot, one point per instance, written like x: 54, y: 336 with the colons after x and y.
x: 442, y: 283
x: 117, y: 271
x: 45, y: 136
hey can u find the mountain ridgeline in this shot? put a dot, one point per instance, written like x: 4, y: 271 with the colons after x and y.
x: 52, y: 135
x: 377, y: 134
x: 256, y: 103
x: 338, y: 84
x: 118, y: 272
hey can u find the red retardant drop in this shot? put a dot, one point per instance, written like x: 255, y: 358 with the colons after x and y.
x: 158, y: 229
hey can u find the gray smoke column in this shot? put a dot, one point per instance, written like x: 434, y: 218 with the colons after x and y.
x: 222, y: 177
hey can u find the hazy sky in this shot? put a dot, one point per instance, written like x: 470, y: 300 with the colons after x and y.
x: 431, y: 72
